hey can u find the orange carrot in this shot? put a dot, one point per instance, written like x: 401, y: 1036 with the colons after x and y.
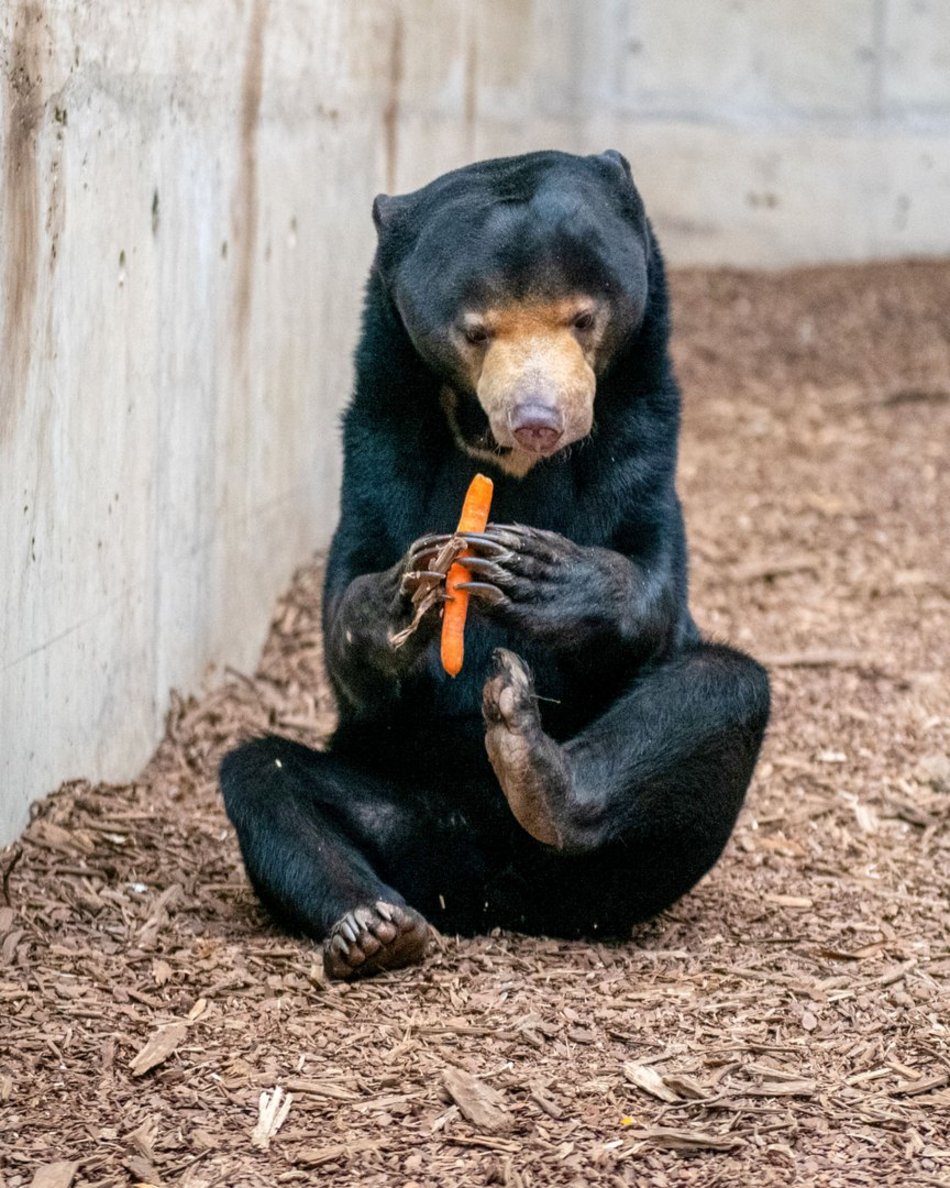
x: 474, y: 518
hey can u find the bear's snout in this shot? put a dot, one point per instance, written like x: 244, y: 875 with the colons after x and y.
x: 536, y: 427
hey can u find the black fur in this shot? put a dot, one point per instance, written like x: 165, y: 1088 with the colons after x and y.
x: 661, y: 729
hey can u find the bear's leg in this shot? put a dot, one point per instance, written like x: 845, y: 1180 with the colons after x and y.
x: 312, y: 829
x: 534, y: 771
x: 640, y: 804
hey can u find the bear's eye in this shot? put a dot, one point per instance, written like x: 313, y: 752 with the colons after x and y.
x: 476, y: 335
x: 584, y: 320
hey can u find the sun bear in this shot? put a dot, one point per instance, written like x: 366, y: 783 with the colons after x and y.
x: 586, y: 767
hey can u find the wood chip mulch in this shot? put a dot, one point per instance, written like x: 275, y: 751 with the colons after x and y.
x: 786, y: 1023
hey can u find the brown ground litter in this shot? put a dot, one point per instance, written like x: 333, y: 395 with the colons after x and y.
x: 785, y: 1023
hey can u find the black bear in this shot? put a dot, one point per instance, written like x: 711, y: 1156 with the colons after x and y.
x: 587, y: 766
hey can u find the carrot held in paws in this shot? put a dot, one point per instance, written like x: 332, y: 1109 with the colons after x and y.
x: 474, y: 518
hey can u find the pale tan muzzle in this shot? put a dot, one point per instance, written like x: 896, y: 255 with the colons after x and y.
x: 535, y: 379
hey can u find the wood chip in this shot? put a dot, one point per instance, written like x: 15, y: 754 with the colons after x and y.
x: 161, y: 1044
x: 158, y: 917
x: 198, y: 1010
x: 751, y: 571
x: 161, y: 971
x: 55, y: 1175
x: 315, y: 1156
x: 649, y: 1080
x: 543, y: 1102
x: 272, y: 1111
x: 510, y: 1146
x: 143, y: 1139
x: 55, y: 837
x: 687, y: 1140
x: 482, y: 1105
x: 146, y: 1176
x: 320, y: 1089
x: 816, y: 658
x: 781, y: 1089
x: 801, y: 902
x: 925, y: 1085
x: 684, y: 1086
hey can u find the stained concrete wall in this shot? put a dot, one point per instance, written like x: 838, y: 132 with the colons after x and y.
x: 184, y: 230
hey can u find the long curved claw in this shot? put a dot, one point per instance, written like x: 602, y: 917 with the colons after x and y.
x: 490, y: 544
x: 429, y: 545
x: 347, y: 930
x: 483, y: 590
x: 431, y: 539
x: 485, y: 568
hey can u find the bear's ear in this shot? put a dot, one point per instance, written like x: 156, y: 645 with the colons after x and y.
x: 387, y: 210
x: 382, y: 205
x: 617, y: 159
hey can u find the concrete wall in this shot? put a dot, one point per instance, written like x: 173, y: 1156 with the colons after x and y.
x: 772, y: 132
x: 184, y: 230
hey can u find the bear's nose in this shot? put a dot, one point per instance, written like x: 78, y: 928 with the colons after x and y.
x: 536, y: 427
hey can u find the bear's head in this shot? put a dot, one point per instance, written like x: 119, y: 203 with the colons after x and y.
x: 519, y: 281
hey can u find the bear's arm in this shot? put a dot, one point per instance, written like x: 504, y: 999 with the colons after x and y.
x: 364, y: 606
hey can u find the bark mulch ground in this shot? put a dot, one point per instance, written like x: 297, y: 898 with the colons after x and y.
x: 787, y: 1022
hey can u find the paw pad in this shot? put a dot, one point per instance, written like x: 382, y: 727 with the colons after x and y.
x: 374, y: 937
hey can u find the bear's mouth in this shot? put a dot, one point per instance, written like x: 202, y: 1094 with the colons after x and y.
x: 471, y: 431
x: 469, y: 422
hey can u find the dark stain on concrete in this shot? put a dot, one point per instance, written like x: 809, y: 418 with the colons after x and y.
x: 245, y: 205
x: 19, y: 264
x: 471, y: 91
x: 393, y: 101
x: 56, y: 199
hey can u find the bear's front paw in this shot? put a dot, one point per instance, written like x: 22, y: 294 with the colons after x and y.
x: 422, y: 585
